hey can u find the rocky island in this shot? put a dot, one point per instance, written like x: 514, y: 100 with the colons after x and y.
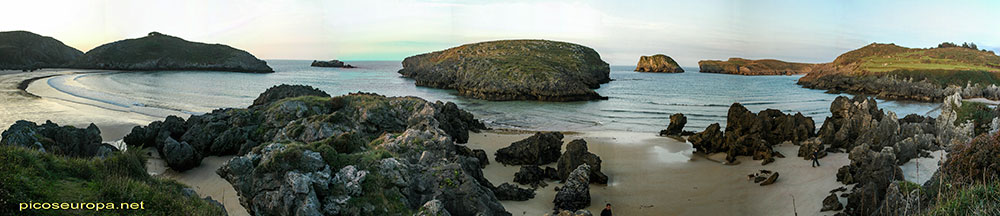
x: 658, y: 63
x: 513, y: 70
x: 742, y: 66
x: 889, y: 71
x: 331, y: 63
x: 22, y: 50
x: 164, y: 52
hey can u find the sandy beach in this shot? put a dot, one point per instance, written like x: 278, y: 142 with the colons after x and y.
x: 41, y: 102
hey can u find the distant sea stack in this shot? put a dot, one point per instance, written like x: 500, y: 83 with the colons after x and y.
x: 659, y: 63
x: 164, y: 52
x: 889, y: 71
x: 22, y: 50
x: 513, y: 70
x: 331, y: 63
x: 742, y: 66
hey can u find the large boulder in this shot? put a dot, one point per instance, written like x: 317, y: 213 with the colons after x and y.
x: 513, y: 70
x: 164, y: 52
x: 950, y: 131
x: 710, y: 140
x: 742, y: 66
x: 676, y: 126
x: 22, y: 50
x: 179, y: 156
x: 575, y: 194
x: 507, y: 191
x: 539, y: 149
x: 577, y: 154
x: 850, y: 117
x: 62, y: 140
x: 658, y: 63
x: 808, y: 147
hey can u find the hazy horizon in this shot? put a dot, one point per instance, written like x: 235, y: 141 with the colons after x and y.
x: 620, y: 31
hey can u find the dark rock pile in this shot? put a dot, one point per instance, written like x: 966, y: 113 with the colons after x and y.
x: 750, y: 134
x: 539, y: 149
x: 62, y: 140
x: 577, y: 154
x: 507, y: 191
x: 575, y: 194
x: 676, y: 126
x: 872, y: 171
x: 513, y: 70
x: 535, y: 176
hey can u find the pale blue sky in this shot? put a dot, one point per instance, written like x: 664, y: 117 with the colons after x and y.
x: 806, y: 31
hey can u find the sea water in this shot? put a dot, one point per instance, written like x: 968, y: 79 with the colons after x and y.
x: 640, y: 102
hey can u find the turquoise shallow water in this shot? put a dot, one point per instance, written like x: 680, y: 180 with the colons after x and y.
x: 638, y: 101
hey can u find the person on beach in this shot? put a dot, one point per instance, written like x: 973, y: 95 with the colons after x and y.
x: 607, y: 210
x: 815, y: 157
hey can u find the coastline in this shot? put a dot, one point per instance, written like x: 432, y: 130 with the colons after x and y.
x: 649, y: 175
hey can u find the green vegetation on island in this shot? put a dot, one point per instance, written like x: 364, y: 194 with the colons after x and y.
x: 658, y: 63
x: 164, y: 52
x: 742, y: 66
x: 513, y: 70
x: 893, y: 72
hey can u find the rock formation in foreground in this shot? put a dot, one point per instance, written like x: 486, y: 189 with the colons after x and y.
x: 676, y: 126
x: 658, y: 63
x: 575, y: 194
x: 302, y: 152
x: 513, y: 70
x: 331, y: 63
x: 753, y: 134
x: 68, y: 164
x: 60, y: 140
x: 741, y: 66
x: 164, y: 52
x: 22, y: 50
x: 577, y: 154
x: 539, y: 149
x: 888, y: 71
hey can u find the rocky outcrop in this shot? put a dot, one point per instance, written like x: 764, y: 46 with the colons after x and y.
x: 180, y: 156
x: 831, y: 203
x: 61, y: 140
x: 535, y: 176
x: 899, y: 201
x: 22, y: 50
x: 164, y: 52
x: 513, y: 70
x: 278, y: 92
x: 331, y: 63
x: 432, y: 208
x: 575, y: 194
x: 539, y: 149
x: 950, y: 130
x: 872, y: 172
x: 808, y: 147
x: 507, y: 191
x: 357, y: 154
x: 849, y: 118
x: 741, y: 66
x: 753, y: 134
x: 577, y: 154
x: 676, y: 126
x: 658, y: 63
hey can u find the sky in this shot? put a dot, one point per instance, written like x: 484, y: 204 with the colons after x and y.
x: 621, y: 31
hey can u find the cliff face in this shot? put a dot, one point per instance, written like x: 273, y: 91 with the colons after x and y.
x: 754, y: 67
x: 22, y: 50
x: 163, y: 52
x: 894, y: 72
x: 513, y: 70
x: 658, y: 63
